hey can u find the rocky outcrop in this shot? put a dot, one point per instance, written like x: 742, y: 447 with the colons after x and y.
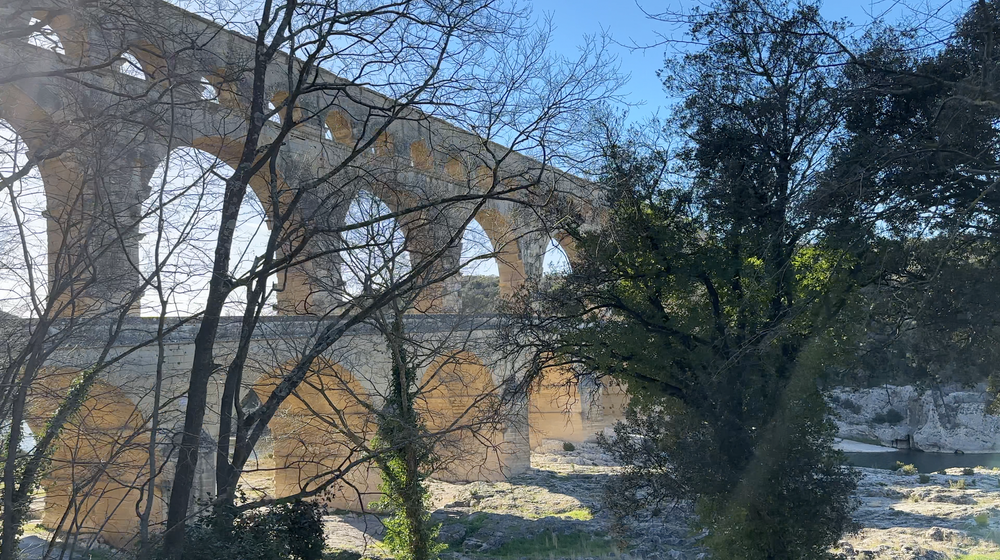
x: 941, y: 419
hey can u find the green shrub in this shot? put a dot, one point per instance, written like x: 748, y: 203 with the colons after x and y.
x: 906, y: 469
x: 924, y: 478
x: 967, y: 471
x: 567, y: 446
x: 957, y: 484
x: 291, y: 531
x: 982, y: 519
x: 891, y: 416
x: 845, y: 403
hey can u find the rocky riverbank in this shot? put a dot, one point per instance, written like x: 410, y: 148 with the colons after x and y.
x: 943, y: 419
x: 555, y: 512
x: 931, y: 517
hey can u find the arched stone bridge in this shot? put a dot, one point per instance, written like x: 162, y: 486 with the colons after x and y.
x: 99, y: 470
x: 102, y: 128
x: 104, y: 104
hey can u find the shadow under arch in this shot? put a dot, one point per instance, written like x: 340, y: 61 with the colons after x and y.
x: 555, y: 410
x: 461, y: 408
x: 318, y: 432
x: 99, y: 465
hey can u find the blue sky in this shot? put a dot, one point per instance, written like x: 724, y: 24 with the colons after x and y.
x: 626, y: 23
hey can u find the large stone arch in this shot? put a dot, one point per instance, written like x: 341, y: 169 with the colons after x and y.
x: 460, y: 405
x: 318, y: 432
x: 188, y: 182
x: 99, y: 466
x: 62, y: 176
x: 298, y: 291
x: 555, y: 410
x: 66, y: 27
x: 500, y: 230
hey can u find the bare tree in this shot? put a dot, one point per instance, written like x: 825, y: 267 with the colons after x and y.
x: 353, y: 79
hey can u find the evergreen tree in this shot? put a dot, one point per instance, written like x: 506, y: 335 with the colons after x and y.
x: 713, y: 284
x: 916, y: 171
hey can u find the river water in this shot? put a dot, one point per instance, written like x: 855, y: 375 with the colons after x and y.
x: 925, y: 462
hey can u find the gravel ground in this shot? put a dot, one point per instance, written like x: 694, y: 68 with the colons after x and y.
x: 555, y: 512
x: 901, y: 518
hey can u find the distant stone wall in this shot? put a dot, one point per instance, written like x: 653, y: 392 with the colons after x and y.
x: 943, y: 419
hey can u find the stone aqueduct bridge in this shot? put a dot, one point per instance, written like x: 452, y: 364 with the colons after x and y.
x: 100, y: 133
x: 97, y: 472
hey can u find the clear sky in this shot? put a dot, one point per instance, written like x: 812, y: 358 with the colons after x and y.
x: 626, y: 22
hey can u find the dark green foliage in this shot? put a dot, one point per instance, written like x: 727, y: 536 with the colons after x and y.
x: 924, y: 478
x: 31, y: 466
x: 920, y: 159
x: 480, y: 294
x: 712, y: 285
x: 292, y: 531
x: 921, y: 131
x: 567, y: 446
x: 795, y: 498
x: 924, y: 329
x: 891, y: 416
x: 968, y: 471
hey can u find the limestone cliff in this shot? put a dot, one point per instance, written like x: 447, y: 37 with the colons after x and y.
x: 940, y: 419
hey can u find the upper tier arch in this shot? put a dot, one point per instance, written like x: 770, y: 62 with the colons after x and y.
x: 345, y: 134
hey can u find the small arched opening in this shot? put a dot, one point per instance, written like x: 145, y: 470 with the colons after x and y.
x: 45, y: 37
x: 128, y: 65
x: 421, y: 156
x: 272, y: 113
x: 338, y: 128
x: 556, y: 260
x: 480, y: 271
x: 208, y: 91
